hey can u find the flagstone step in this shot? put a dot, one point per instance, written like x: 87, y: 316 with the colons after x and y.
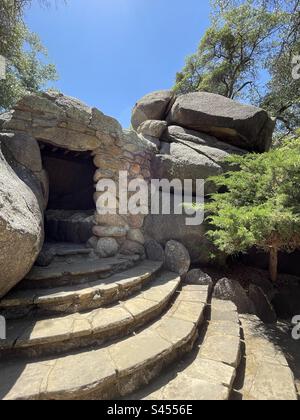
x: 265, y: 374
x: 112, y: 371
x: 77, y: 298
x: 56, y: 335
x: 66, y: 249
x: 209, y: 372
x: 75, y: 270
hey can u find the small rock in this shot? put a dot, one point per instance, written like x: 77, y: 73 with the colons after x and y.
x: 132, y: 248
x: 92, y: 242
x: 263, y: 307
x: 45, y: 257
x: 109, y: 231
x: 107, y: 247
x: 226, y: 289
x: 136, y: 221
x: 154, y: 251
x: 136, y: 235
x: 110, y: 220
x: 177, y: 258
x: 198, y: 277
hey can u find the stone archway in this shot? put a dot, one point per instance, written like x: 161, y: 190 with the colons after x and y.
x: 73, y: 136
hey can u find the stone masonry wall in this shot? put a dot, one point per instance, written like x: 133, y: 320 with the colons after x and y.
x: 67, y: 123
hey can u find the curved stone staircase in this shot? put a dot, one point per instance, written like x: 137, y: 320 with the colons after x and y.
x: 138, y: 334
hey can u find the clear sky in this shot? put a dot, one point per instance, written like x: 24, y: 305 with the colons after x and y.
x: 109, y: 53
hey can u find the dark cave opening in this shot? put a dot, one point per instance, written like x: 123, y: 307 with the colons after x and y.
x: 69, y: 214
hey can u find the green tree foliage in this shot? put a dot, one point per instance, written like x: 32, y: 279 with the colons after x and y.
x: 27, y: 69
x: 247, y: 54
x: 261, y: 205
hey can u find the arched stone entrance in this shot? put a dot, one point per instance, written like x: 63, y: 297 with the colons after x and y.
x: 70, y: 210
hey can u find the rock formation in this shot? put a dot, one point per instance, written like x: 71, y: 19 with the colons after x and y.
x: 196, y: 133
x: 55, y: 149
x: 21, y: 227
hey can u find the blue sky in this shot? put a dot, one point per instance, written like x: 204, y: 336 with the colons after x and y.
x: 109, y: 53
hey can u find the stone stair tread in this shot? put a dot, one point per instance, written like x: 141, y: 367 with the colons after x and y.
x: 64, y: 249
x: 210, y: 372
x: 102, y: 373
x: 30, y: 333
x: 267, y: 375
x: 186, y: 388
x: 86, y: 291
x: 81, y: 267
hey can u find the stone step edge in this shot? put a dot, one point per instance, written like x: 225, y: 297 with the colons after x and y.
x: 115, y: 370
x: 77, y: 298
x: 127, y: 320
x: 276, y: 361
x: 76, y: 274
x: 211, y: 373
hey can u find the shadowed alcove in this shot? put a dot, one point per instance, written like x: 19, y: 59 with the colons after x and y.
x: 69, y: 214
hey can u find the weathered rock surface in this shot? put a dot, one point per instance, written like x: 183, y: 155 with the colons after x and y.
x: 136, y: 235
x: 151, y: 107
x: 23, y: 154
x: 204, y: 144
x: 131, y: 248
x: 153, y: 128
x: 21, y: 227
x: 177, y: 258
x: 154, y: 251
x: 165, y: 227
x: 185, y: 163
x: 107, y: 247
x: 198, y: 277
x: 244, y: 126
x: 62, y: 121
x: 110, y: 231
x: 263, y: 307
x: 227, y: 289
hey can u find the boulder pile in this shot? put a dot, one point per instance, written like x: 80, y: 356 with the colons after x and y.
x: 194, y: 134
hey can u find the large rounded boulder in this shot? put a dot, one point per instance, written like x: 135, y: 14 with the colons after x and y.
x: 21, y: 227
x: 153, y: 106
x: 244, y: 126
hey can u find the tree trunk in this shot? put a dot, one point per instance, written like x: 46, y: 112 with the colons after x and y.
x: 273, y: 267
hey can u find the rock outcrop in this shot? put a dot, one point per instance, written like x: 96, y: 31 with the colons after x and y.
x: 151, y: 107
x: 23, y: 154
x: 241, y: 125
x: 21, y: 227
x: 203, y: 130
x: 186, y: 137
